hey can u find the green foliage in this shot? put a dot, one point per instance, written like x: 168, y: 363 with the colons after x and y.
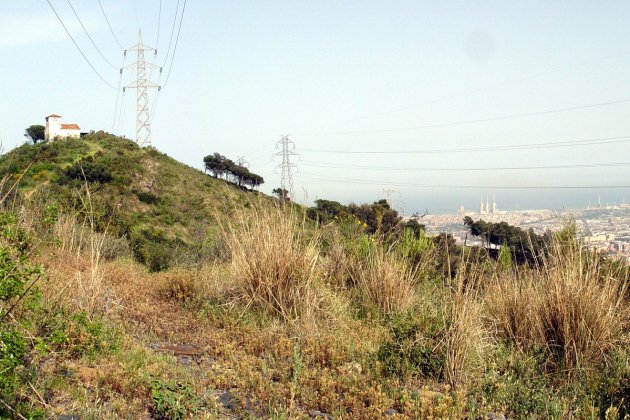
x: 377, y: 217
x: 526, y: 247
x: 173, y: 400
x: 51, y: 214
x: 148, y: 197
x: 505, y: 257
x: 86, y: 170
x: 35, y: 133
x: 413, y: 348
x: 281, y: 193
x: 221, y: 166
x: 17, y: 297
x: 152, y: 248
x: 13, y: 351
x: 414, y: 245
x: 76, y: 335
x: 514, y: 382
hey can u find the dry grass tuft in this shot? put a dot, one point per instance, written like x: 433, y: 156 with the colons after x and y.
x: 180, y: 285
x: 572, y: 309
x: 273, y: 261
x: 386, y: 281
x: 467, y: 338
x: 81, y: 246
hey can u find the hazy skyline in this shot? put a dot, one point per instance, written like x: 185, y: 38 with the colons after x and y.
x: 354, y: 77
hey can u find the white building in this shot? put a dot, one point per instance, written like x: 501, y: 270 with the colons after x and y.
x: 55, y: 129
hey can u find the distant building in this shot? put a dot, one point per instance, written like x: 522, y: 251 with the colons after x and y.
x: 55, y: 129
x: 487, y: 209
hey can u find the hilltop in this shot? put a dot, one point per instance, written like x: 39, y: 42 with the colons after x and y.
x: 139, y: 194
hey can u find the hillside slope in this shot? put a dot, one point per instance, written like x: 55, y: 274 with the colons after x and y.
x: 140, y: 194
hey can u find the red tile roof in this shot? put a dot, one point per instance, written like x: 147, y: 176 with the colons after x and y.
x: 70, y: 127
x: 53, y: 116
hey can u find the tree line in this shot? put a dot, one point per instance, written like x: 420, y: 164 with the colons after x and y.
x: 224, y: 168
x: 525, y: 246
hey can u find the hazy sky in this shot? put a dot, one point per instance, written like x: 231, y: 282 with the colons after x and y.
x: 353, y: 76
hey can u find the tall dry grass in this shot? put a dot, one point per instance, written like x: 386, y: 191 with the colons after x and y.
x: 273, y: 261
x: 572, y: 307
x: 79, y: 268
x: 467, y: 338
x: 386, y: 281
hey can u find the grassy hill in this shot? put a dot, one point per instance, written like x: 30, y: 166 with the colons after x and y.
x: 140, y: 194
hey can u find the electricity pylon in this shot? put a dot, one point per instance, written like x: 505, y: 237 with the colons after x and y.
x: 286, y: 182
x: 142, y: 86
x: 389, y: 197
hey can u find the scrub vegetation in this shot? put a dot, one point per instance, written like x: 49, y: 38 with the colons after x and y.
x: 133, y: 286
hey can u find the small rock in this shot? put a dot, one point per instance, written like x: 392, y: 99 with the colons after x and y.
x: 317, y: 413
x: 391, y: 412
x: 351, y: 368
x: 69, y: 417
x: 495, y: 416
x: 226, y: 399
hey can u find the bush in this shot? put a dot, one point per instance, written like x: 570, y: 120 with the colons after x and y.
x: 147, y: 197
x: 571, y: 309
x: 153, y: 249
x: 273, y: 262
x: 385, y: 282
x: 413, y: 348
x: 86, y: 171
x: 180, y: 285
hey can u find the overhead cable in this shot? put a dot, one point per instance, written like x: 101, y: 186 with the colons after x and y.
x: 78, y: 48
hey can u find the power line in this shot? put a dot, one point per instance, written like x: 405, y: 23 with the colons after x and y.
x: 118, y: 94
x: 78, y: 48
x: 168, y: 51
x: 409, y: 184
x: 424, y: 169
x: 88, y: 35
x: 584, y: 142
x: 110, y: 26
x: 170, y: 40
x: 168, y: 75
x: 466, y: 122
x: 122, y: 108
x: 496, y: 85
x: 157, y: 39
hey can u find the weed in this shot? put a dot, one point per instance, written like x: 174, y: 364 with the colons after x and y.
x: 173, y: 400
x: 413, y: 348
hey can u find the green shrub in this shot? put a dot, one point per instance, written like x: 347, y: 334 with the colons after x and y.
x: 76, y: 335
x: 86, y: 171
x: 173, y: 400
x: 413, y: 348
x: 153, y: 249
x: 515, y: 385
x: 147, y: 197
x: 18, y: 298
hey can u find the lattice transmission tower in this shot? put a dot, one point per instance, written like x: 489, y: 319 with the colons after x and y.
x: 286, y: 181
x: 142, y: 86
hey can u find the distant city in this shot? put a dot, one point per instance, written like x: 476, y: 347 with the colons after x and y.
x: 601, y: 226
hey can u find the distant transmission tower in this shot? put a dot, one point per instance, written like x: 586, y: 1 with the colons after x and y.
x: 389, y: 197
x: 142, y: 86
x: 286, y: 182
x: 242, y: 162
